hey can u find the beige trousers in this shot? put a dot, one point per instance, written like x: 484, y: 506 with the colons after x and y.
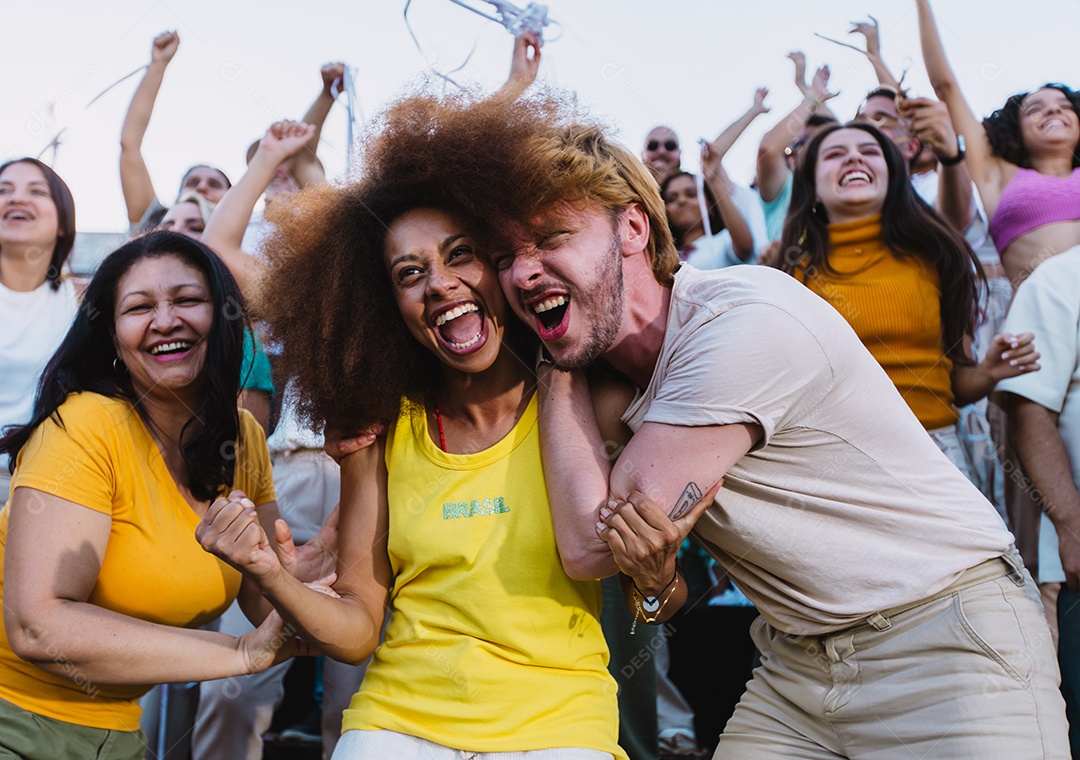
x: 970, y: 673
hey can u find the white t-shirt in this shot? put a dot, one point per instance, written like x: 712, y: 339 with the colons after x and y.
x: 290, y: 434
x: 1048, y: 304
x: 846, y: 507
x: 33, y: 325
x: 717, y: 251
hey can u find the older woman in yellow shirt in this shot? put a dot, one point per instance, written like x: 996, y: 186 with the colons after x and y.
x: 135, y: 432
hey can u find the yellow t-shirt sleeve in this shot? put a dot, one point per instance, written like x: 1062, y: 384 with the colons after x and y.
x: 73, y: 460
x: 254, y: 474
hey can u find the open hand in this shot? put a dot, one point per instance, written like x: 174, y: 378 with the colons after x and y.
x: 759, y: 100
x: 338, y: 444
x: 819, y: 87
x: 798, y: 57
x: 1010, y: 355
x: 869, y: 30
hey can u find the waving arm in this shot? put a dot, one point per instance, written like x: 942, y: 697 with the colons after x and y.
x: 135, y: 179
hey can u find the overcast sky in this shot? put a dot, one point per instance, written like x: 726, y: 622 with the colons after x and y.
x: 242, y: 64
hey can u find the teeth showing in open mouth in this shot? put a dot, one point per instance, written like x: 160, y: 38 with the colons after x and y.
x: 853, y: 176
x: 448, y: 316
x: 549, y: 304
x: 20, y: 215
x: 467, y: 344
x: 169, y: 348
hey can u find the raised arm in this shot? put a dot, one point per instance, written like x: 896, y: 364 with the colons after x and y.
x: 723, y: 142
x: 772, y: 168
x: 135, y: 179
x: 316, y: 115
x: 931, y: 124
x: 320, y: 109
x: 987, y: 170
x: 225, y: 231
x: 742, y: 239
x: 52, y: 559
x: 345, y: 625
x: 870, y: 31
x: 523, y: 66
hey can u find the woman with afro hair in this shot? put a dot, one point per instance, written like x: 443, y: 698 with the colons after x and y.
x: 389, y: 313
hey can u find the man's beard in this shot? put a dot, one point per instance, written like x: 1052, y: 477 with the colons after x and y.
x: 608, y: 299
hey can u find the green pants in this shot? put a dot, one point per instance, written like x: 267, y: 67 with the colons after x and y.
x: 30, y: 736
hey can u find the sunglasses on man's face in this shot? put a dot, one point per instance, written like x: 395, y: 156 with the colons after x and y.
x: 668, y: 145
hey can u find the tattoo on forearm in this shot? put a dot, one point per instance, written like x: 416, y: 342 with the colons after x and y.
x: 691, y: 495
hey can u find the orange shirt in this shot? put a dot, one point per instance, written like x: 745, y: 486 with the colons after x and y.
x: 894, y: 306
x: 153, y: 569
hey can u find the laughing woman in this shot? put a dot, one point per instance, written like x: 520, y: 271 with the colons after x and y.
x: 1024, y: 160
x: 859, y: 236
x: 37, y: 300
x: 490, y: 646
x: 134, y: 432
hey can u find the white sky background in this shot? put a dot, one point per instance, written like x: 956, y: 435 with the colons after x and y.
x: 693, y: 64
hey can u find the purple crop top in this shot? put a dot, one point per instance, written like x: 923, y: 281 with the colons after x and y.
x: 1031, y: 200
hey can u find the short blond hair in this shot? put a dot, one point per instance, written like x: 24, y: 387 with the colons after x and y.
x: 579, y: 164
x: 206, y: 208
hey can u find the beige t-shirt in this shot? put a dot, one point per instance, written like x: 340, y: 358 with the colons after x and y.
x: 846, y: 507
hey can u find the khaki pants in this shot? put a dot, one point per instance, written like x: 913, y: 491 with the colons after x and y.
x: 970, y: 673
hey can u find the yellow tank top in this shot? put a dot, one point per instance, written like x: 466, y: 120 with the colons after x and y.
x: 490, y: 646
x: 894, y: 306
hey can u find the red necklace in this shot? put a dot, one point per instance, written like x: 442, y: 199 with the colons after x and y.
x: 438, y: 421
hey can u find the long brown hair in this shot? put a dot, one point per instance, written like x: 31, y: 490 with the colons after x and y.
x: 909, y: 227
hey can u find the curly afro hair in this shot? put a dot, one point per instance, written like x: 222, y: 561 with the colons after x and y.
x: 494, y: 164
x: 1003, y: 128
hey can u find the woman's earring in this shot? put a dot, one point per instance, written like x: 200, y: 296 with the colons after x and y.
x: 117, y: 365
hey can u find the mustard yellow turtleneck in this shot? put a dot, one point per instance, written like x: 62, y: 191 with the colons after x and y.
x: 894, y: 306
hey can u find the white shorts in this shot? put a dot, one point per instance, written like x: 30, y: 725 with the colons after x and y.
x: 363, y: 745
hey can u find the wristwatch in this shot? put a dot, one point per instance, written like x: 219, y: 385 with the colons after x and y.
x: 953, y: 160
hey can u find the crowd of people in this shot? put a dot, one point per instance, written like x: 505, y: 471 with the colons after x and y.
x: 449, y: 426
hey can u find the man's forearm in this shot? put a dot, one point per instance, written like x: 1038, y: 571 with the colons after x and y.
x: 576, y: 470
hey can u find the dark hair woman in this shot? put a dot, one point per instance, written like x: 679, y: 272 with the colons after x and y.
x: 858, y: 235
x: 135, y: 430
x: 37, y: 301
